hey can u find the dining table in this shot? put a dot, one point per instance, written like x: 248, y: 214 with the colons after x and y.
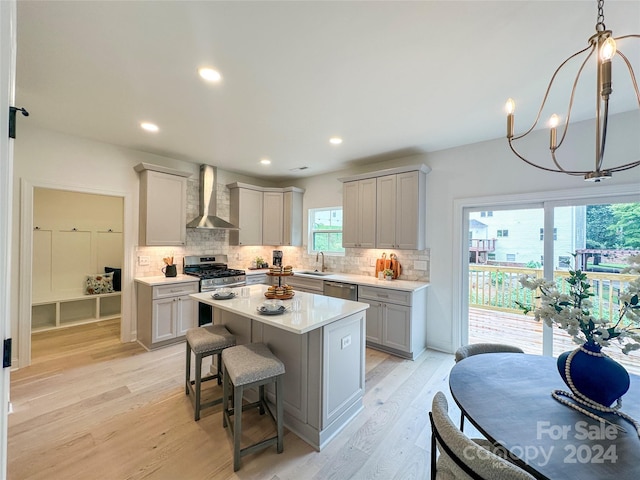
x: 508, y: 398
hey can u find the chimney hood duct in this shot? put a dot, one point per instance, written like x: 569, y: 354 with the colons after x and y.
x: 208, y: 203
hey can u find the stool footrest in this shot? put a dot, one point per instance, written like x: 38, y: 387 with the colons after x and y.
x: 251, y: 366
x: 259, y: 446
x: 210, y: 377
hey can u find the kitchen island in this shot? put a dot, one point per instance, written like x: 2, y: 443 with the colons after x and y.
x: 322, y: 347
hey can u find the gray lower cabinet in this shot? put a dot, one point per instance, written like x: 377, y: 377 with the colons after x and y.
x: 303, y: 284
x: 396, y: 320
x: 165, y: 313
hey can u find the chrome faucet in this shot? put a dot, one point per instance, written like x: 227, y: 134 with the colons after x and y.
x: 317, y: 254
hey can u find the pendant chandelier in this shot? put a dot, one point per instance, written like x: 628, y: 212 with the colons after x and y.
x: 602, y: 49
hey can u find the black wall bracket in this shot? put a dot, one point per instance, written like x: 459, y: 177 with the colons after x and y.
x: 12, y: 119
x: 6, y: 353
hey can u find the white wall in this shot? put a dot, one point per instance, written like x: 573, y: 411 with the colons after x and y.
x: 483, y: 169
x: 490, y: 169
x: 50, y: 159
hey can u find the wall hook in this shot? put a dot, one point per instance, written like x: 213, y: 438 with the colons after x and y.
x: 12, y: 119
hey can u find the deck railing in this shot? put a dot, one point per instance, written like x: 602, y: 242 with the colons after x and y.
x: 487, y: 245
x: 498, y: 288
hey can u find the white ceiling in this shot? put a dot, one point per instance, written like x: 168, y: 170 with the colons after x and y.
x: 390, y: 77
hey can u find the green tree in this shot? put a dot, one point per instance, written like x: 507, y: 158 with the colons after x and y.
x: 626, y: 224
x: 599, y: 220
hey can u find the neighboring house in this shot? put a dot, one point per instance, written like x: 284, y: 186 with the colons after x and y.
x: 518, y: 235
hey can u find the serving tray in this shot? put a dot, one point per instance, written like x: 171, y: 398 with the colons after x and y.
x: 284, y: 296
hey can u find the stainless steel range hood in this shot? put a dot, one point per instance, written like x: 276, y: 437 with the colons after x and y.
x: 208, y: 202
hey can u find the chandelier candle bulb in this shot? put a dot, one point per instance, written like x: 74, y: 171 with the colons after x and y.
x: 608, y: 49
x: 553, y: 123
x: 605, y: 79
x: 510, y: 107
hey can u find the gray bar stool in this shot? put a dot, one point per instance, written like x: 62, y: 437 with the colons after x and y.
x: 245, y: 366
x: 205, y: 342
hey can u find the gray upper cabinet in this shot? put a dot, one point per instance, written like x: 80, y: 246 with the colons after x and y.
x: 163, y: 205
x: 246, y: 213
x: 401, y: 206
x: 386, y: 209
x: 292, y: 217
x: 359, y: 213
x: 272, y: 217
x: 266, y: 215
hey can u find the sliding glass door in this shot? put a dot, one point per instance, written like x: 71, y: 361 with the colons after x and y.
x: 545, y: 240
x: 503, y: 245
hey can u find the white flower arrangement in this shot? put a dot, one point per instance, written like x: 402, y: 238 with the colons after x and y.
x: 572, y: 311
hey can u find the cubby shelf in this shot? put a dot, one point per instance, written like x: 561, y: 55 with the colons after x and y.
x: 73, y: 310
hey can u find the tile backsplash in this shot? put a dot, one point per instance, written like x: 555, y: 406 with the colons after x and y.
x: 415, y: 263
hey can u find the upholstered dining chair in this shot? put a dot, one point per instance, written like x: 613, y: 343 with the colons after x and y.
x: 462, y: 458
x: 478, y: 348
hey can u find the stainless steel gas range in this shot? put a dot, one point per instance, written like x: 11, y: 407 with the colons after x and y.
x: 214, y: 274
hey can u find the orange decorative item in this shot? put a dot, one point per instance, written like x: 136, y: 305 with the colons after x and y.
x: 395, y: 265
x: 380, y: 264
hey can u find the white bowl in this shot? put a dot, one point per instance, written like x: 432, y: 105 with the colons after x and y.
x: 272, y: 305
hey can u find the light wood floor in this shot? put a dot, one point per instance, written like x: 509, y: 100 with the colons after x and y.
x: 92, y: 408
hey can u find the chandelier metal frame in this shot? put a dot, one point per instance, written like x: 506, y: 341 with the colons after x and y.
x: 602, y: 46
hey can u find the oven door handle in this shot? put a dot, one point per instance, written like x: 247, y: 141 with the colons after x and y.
x: 229, y: 285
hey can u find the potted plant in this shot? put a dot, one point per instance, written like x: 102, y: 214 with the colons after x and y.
x: 388, y: 274
x: 595, y: 380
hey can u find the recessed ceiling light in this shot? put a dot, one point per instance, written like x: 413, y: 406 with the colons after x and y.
x: 335, y: 140
x: 265, y: 161
x: 149, y: 127
x: 209, y: 74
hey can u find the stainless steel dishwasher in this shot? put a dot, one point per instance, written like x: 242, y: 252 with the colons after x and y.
x: 348, y: 291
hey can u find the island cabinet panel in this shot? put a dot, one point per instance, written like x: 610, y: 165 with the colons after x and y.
x: 238, y: 325
x: 343, y: 344
x: 324, y: 369
x: 292, y: 350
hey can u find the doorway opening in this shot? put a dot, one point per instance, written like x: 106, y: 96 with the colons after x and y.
x: 77, y: 258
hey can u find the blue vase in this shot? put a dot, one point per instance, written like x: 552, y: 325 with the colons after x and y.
x: 600, y: 379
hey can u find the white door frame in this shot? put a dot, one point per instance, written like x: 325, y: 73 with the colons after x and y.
x: 584, y: 195
x: 7, y: 96
x: 127, y: 329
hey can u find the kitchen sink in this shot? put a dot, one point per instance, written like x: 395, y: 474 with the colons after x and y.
x: 314, y: 272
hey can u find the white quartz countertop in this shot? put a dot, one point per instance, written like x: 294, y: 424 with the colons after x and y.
x: 162, y: 280
x: 404, y: 285
x: 316, y: 310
